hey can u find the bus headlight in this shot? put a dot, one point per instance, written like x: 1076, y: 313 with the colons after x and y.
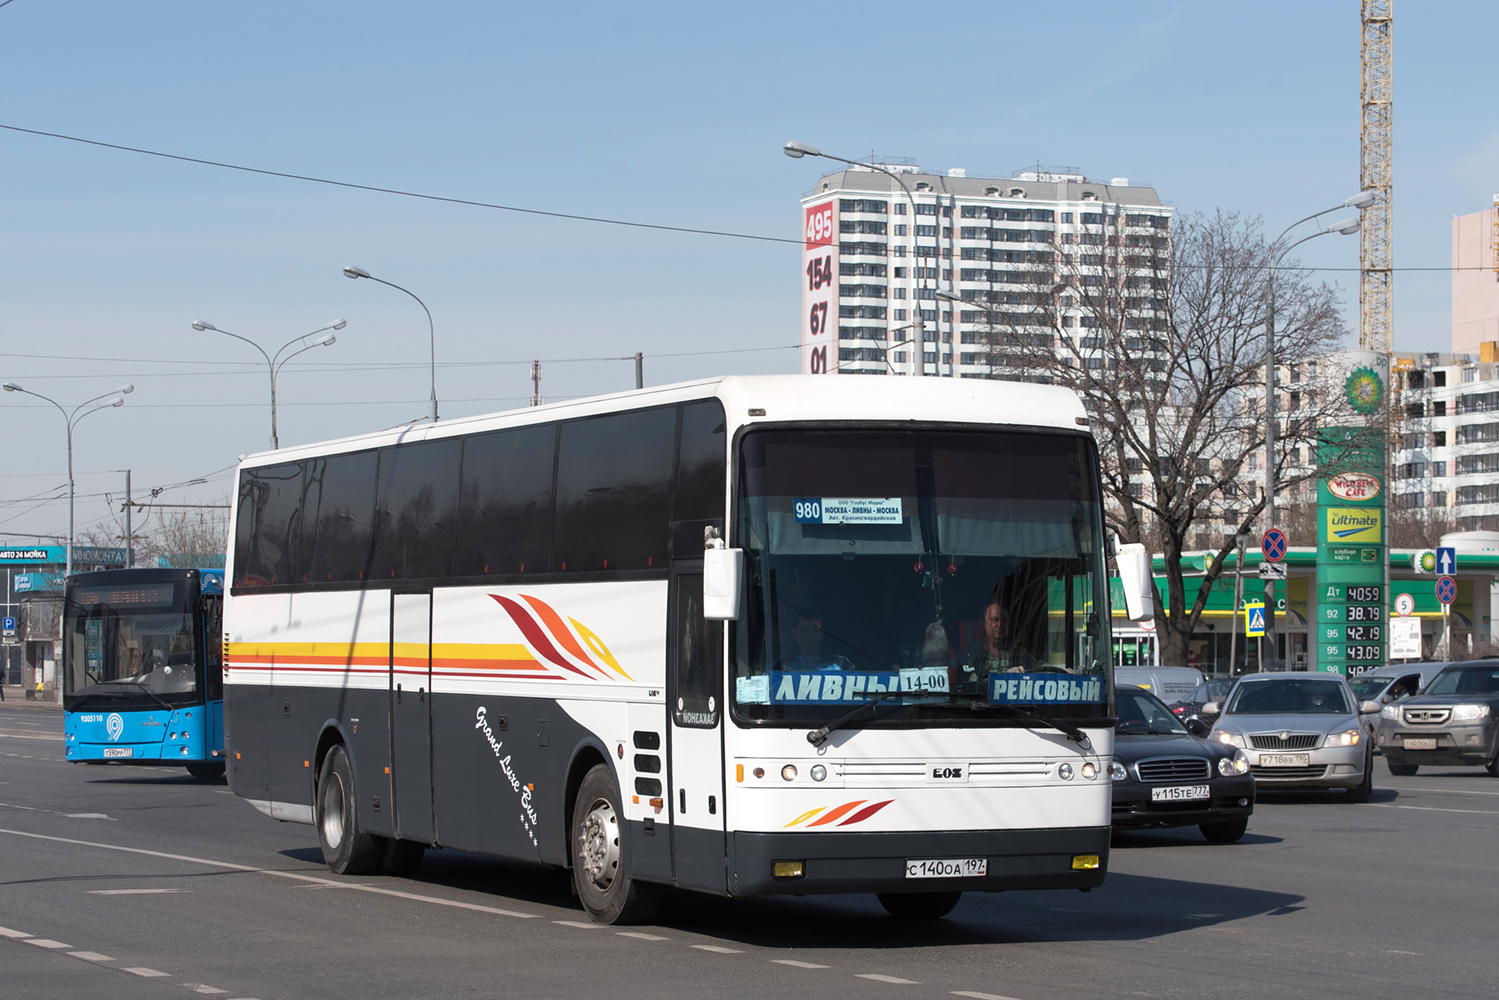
x: 1065, y: 771
x: 789, y: 772
x: 818, y: 772
x: 1090, y: 771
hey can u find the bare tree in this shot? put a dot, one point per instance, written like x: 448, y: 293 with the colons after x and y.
x: 1161, y: 329
x: 190, y: 539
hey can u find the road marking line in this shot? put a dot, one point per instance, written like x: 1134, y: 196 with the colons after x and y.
x: 90, y: 956
x: 88, y: 816
x: 1393, y: 951
x: 887, y: 979
x: 47, y: 943
x: 1444, y: 791
x: 798, y: 965
x: 1434, y: 809
x: 131, y: 892
x: 202, y: 988
x: 718, y: 949
x: 6, y: 932
x: 642, y: 936
x: 580, y: 925
x: 979, y: 996
x: 146, y: 973
x: 296, y: 876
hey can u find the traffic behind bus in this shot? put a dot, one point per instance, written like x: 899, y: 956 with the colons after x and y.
x: 142, y: 677
x: 745, y: 636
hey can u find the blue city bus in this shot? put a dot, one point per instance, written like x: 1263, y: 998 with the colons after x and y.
x: 143, y: 668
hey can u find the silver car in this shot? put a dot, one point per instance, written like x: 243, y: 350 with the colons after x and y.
x: 1300, y: 731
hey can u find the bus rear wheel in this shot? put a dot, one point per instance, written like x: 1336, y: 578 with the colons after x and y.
x: 347, y: 850
x: 598, y: 861
x: 919, y: 905
x: 206, y: 770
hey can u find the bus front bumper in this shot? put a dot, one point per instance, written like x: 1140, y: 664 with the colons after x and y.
x: 879, y: 862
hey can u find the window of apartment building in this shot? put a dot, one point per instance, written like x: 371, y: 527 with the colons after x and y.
x: 1439, y: 408
x: 929, y: 315
x: 1092, y: 218
x: 900, y: 272
x: 1438, y: 379
x: 900, y: 314
x: 900, y: 251
x: 1439, y: 439
x: 900, y: 230
x: 1066, y: 216
x: 969, y: 358
x: 1488, y: 493
x: 1412, y: 441
x: 1410, y: 501
x: 926, y: 209
x: 900, y: 208
x: 1439, y: 469
x: 871, y: 270
x: 868, y: 226
x: 900, y: 293
x: 870, y: 205
x: 972, y: 338
x: 1470, y: 374
x: 1415, y: 380
x: 924, y: 230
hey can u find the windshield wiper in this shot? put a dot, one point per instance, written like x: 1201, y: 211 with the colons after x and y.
x: 1067, y: 729
x: 818, y: 737
x: 153, y: 696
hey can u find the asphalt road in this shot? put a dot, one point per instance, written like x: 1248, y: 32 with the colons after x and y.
x: 135, y: 882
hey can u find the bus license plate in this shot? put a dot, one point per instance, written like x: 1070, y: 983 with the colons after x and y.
x: 1430, y: 744
x: 947, y: 868
x: 1285, y: 760
x: 119, y: 751
x: 1179, y: 793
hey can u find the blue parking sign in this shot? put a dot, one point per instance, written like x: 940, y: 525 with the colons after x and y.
x: 9, y: 624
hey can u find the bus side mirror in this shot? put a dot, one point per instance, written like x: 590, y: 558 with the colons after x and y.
x: 723, y: 572
x: 1135, y: 578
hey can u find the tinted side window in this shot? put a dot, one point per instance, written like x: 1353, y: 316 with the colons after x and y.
x: 416, y: 510
x: 269, y: 510
x: 337, y: 511
x: 700, y: 465
x: 698, y: 658
x: 613, y: 491
x: 505, y: 512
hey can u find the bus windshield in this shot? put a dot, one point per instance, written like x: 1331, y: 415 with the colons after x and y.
x: 129, y: 644
x: 956, y: 576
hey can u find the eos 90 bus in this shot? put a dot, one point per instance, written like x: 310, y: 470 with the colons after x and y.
x: 737, y: 636
x: 142, y: 677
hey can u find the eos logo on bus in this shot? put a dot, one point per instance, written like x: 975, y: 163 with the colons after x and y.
x: 948, y: 773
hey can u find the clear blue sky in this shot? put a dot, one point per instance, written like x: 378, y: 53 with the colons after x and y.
x: 669, y: 113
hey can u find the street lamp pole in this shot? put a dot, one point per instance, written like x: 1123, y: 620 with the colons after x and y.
x: 71, y: 419
x: 796, y: 150
x: 1346, y: 227
x: 274, y: 363
x: 355, y: 273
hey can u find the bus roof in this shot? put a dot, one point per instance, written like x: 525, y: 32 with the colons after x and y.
x: 781, y: 397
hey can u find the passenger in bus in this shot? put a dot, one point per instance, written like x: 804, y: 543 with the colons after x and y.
x: 808, y: 635
x: 996, y: 651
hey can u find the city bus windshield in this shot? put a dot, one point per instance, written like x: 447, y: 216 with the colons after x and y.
x: 956, y: 576
x: 129, y: 644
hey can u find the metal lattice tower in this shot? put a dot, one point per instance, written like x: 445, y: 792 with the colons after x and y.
x: 1376, y: 173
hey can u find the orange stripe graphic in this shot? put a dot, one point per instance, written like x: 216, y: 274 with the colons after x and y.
x: 837, y: 812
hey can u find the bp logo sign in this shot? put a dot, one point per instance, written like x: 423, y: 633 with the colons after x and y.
x: 1363, y: 389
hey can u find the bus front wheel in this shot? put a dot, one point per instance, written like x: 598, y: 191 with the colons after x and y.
x: 206, y: 770
x: 606, y: 892
x: 347, y: 850
x: 919, y: 905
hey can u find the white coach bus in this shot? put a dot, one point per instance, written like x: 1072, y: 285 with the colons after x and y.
x: 744, y: 636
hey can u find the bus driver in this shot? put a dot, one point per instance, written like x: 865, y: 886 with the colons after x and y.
x: 995, y: 652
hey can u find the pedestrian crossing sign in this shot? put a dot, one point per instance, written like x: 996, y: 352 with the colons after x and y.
x: 1254, y: 618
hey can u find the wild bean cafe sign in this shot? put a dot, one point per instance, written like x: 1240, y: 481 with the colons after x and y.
x: 1353, y: 486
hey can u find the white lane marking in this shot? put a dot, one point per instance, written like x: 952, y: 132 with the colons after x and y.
x: 580, y: 925
x: 141, y: 970
x: 202, y: 988
x: 1444, y: 791
x: 642, y: 936
x: 887, y: 979
x: 798, y: 965
x: 90, y: 956
x: 979, y: 996
x: 296, y: 876
x: 1393, y: 951
x: 1203, y: 916
x: 6, y: 932
x: 89, y: 816
x: 718, y: 949
x: 54, y: 812
x: 47, y: 943
x: 131, y: 892
x: 1434, y: 809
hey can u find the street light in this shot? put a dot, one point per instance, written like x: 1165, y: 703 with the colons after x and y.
x: 797, y: 150
x: 274, y: 363
x: 354, y: 273
x: 1345, y: 227
x: 71, y: 418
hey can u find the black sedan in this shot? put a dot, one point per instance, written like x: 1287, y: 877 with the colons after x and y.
x: 1165, y: 775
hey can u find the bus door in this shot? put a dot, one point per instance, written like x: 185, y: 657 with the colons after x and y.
x: 411, y: 714
x: 694, y: 696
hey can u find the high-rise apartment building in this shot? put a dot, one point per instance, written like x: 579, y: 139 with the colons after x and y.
x: 1475, y: 280
x: 1446, y: 458
x: 911, y: 276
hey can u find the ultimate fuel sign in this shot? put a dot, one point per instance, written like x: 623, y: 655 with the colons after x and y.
x: 820, y: 288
